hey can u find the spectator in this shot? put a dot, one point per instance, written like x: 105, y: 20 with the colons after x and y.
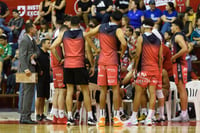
x: 135, y: 15
x: 11, y: 81
x: 44, y: 31
x: 122, y: 6
x: 187, y: 25
x: 16, y: 23
x: 181, y: 5
x: 1, y: 30
x: 142, y: 5
x: 6, y: 55
x: 169, y: 15
x: 44, y: 11
x: 153, y: 13
x: 125, y: 23
x: 191, y: 15
x: 167, y: 38
x: 4, y: 12
x: 1, y: 67
x: 195, y: 36
x: 129, y: 37
x: 84, y: 8
x: 58, y: 10
x: 198, y: 12
x: 101, y: 10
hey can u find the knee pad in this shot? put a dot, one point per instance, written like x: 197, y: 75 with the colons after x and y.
x: 159, y: 94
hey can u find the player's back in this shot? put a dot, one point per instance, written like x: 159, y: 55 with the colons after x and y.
x: 150, y: 51
x: 108, y: 44
x: 74, y: 48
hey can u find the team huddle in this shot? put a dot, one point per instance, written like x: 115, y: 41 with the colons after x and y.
x: 146, y: 69
x: 72, y: 46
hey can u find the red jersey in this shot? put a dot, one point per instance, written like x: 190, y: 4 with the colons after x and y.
x: 108, y: 44
x: 149, y: 56
x: 167, y: 64
x: 180, y: 6
x: 74, y: 46
x: 54, y: 61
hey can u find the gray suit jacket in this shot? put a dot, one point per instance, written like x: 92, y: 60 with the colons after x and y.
x: 27, y: 48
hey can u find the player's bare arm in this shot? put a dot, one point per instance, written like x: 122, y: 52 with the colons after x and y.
x: 56, y: 43
x: 120, y: 36
x: 138, y: 52
x: 88, y: 36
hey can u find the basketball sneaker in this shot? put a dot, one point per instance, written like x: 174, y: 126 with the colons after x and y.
x: 117, y: 122
x: 62, y: 120
x: 101, y: 122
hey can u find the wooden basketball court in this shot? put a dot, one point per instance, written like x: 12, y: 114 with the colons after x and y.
x: 46, y: 127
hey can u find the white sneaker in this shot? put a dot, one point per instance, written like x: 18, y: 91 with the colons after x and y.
x: 180, y: 118
x: 148, y: 122
x: 131, y: 122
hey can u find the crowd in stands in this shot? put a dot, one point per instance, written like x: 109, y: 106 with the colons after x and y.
x: 92, y: 13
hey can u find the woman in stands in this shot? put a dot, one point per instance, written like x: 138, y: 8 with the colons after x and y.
x: 44, y: 11
x: 169, y: 15
x: 135, y: 15
x: 58, y: 10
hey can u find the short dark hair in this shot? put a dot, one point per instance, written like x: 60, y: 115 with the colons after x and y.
x: 75, y: 20
x: 130, y: 29
x: 152, y: 2
x: 148, y: 21
x: 28, y: 26
x: 137, y: 33
x: 117, y: 15
x: 67, y: 18
x: 15, y: 10
x: 178, y: 22
x: 44, y: 40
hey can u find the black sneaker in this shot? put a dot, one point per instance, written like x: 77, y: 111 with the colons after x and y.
x: 38, y: 117
x: 123, y: 116
x: 71, y: 122
x: 76, y: 116
x: 45, y: 118
x: 91, y: 122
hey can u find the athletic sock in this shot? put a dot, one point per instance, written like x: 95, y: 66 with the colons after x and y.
x: 102, y: 112
x: 61, y: 113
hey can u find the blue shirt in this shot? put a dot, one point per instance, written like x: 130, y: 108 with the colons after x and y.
x: 170, y: 16
x: 195, y: 33
x: 135, y: 18
x: 154, y: 15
